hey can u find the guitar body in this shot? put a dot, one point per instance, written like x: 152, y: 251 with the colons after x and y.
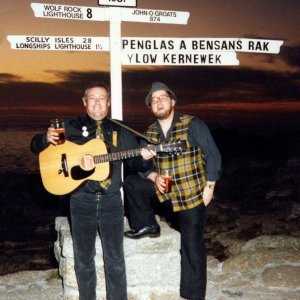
x: 61, y: 166
x: 65, y: 167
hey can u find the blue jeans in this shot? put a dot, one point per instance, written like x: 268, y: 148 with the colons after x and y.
x: 92, y: 213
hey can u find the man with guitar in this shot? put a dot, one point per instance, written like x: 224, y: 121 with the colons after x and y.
x: 194, y: 174
x: 95, y: 203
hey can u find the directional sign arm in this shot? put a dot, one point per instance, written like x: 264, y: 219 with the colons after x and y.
x: 155, y: 16
x: 58, y: 43
x: 70, y: 12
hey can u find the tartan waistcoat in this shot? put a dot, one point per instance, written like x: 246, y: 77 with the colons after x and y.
x: 187, y: 167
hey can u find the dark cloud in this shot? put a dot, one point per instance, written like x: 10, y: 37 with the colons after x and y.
x: 77, y: 81
x: 291, y: 54
x: 31, y: 93
x: 191, y: 84
x: 216, y: 84
x: 5, y: 77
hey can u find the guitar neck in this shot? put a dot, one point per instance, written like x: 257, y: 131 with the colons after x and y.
x: 114, y: 156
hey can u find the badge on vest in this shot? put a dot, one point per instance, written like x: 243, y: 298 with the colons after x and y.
x: 115, y: 138
x: 85, y: 133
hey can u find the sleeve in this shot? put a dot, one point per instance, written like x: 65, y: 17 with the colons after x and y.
x: 38, y: 143
x: 148, y: 165
x: 137, y: 164
x: 199, y: 135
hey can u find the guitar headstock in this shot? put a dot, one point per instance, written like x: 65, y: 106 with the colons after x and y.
x: 173, y: 146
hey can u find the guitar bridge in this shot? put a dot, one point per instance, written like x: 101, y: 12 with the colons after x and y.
x: 64, y: 166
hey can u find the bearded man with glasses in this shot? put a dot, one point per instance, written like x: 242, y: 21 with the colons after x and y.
x: 194, y: 175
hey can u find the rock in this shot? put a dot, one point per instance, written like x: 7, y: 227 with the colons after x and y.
x: 253, y: 261
x: 33, y: 285
x: 282, y: 276
x: 246, y: 222
x: 277, y: 242
x: 294, y: 212
x: 272, y: 225
x: 268, y: 262
x: 230, y: 241
x: 282, y: 191
x: 152, y: 265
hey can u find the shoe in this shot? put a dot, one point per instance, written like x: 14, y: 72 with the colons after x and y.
x: 152, y: 231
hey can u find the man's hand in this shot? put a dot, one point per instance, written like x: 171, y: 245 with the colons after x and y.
x: 158, y: 181
x: 208, y: 192
x: 52, y: 136
x: 87, y: 162
x: 147, y: 153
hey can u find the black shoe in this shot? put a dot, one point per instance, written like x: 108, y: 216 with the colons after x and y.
x: 152, y: 231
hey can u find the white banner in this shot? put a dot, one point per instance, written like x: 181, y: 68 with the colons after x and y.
x: 131, y: 3
x: 154, y: 16
x: 179, y: 59
x: 200, y: 44
x: 59, y: 43
x: 69, y: 12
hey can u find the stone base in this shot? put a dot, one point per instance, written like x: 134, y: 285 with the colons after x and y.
x: 152, y: 264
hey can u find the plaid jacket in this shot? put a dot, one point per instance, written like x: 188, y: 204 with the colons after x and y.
x: 187, y: 167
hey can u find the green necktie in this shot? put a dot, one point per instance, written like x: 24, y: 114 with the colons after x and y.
x: 99, y: 135
x: 99, y: 132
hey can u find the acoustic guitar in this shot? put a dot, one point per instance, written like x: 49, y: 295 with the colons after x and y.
x: 63, y: 169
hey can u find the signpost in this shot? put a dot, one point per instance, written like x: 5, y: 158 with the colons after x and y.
x: 137, y: 50
x: 115, y: 15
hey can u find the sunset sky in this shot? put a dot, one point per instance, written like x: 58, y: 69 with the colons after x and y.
x: 41, y: 84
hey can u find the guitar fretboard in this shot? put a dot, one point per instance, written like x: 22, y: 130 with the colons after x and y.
x: 170, y: 147
x: 117, y: 155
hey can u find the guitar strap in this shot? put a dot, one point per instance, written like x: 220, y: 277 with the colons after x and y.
x: 135, y: 132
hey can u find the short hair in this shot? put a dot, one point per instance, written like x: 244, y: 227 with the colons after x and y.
x: 97, y: 84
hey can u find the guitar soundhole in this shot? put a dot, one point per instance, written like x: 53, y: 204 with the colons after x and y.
x: 78, y: 174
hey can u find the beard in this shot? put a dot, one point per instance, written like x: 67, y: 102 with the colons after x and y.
x: 163, y: 113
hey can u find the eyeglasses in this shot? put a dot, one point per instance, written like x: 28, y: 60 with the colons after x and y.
x: 94, y: 99
x: 162, y: 99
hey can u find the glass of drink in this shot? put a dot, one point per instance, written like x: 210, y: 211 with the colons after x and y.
x: 58, y: 126
x: 168, y: 178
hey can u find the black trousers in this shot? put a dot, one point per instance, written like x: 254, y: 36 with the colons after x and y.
x: 90, y: 214
x: 142, y: 204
